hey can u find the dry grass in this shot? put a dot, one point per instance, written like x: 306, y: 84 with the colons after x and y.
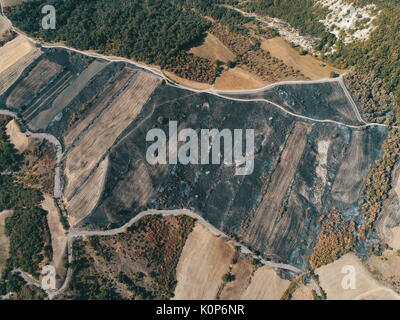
x: 14, y: 51
x: 204, y: 260
x: 58, y: 235
x: 366, y: 287
x: 9, y: 3
x: 265, y: 285
x: 19, y: 139
x: 238, y: 79
x: 307, y: 65
x: 186, y: 82
x: 85, y: 200
x: 243, y: 271
x: 268, y: 223
x: 15, y: 55
x: 213, y: 49
x: 4, y: 242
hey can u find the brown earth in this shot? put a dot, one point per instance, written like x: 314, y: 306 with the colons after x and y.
x: 90, y: 149
x: 137, y: 264
x: 19, y: 139
x: 85, y: 200
x: 243, y: 272
x: 213, y: 49
x: 16, y: 56
x: 265, y: 285
x: 186, y: 82
x: 8, y: 3
x: 4, y: 242
x: 38, y: 77
x: 269, y: 222
x: 366, y: 287
x: 58, y: 234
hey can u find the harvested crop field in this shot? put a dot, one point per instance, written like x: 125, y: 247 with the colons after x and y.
x: 243, y: 271
x: 385, y: 267
x: 16, y: 56
x: 4, y: 27
x: 306, y: 64
x: 204, y: 260
x: 9, y: 3
x: 42, y: 120
x: 303, y: 293
x: 85, y: 200
x: 58, y: 234
x: 265, y: 285
x: 238, y: 79
x: 19, y: 139
x: 38, y: 77
x: 213, y: 49
x: 113, y: 111
x: 87, y: 153
x: 186, y: 82
x: 366, y: 287
x: 349, y: 180
x: 268, y: 220
x: 137, y: 264
x: 4, y: 242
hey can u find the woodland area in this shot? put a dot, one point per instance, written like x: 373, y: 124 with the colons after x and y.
x: 26, y: 227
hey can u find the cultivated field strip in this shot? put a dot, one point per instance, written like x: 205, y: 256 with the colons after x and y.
x: 42, y: 120
x: 16, y: 56
x: 85, y: 200
x: 84, y: 157
x: 101, y: 104
x: 204, y: 260
x: 264, y: 227
x: 366, y: 287
x: 48, y: 95
x: 37, y: 78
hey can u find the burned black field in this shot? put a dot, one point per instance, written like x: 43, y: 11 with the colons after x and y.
x: 101, y: 112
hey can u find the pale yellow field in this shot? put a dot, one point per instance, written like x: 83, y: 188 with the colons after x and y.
x: 58, y: 235
x: 366, y: 287
x: 204, y: 260
x: 307, y: 65
x: 388, y: 265
x: 303, y: 293
x: 186, y: 82
x: 397, y: 187
x: 85, y: 200
x: 243, y: 271
x: 4, y: 26
x: 19, y: 139
x: 238, y: 79
x: 13, y: 51
x: 4, y: 242
x: 265, y: 285
x: 213, y: 49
